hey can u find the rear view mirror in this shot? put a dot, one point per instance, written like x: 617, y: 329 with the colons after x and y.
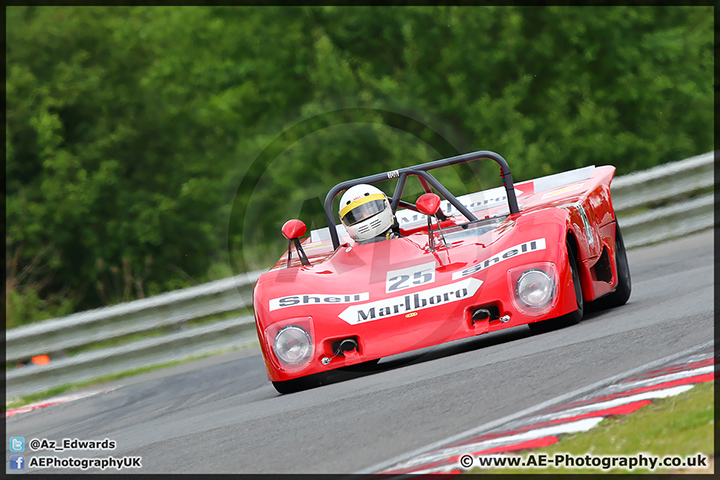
x: 293, y: 230
x: 428, y: 203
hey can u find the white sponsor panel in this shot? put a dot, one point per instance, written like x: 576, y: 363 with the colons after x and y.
x: 410, y: 277
x: 519, y: 249
x: 557, y: 180
x: 471, y: 201
x: 323, y: 234
x: 411, y: 302
x: 317, y: 299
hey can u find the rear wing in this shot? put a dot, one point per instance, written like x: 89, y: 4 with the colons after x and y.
x: 472, y: 202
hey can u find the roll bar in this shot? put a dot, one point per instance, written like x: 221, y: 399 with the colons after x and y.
x: 421, y: 171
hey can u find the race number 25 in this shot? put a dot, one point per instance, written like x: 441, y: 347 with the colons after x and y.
x: 410, y: 277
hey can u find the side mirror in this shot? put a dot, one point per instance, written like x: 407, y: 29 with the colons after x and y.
x: 428, y: 203
x: 293, y: 230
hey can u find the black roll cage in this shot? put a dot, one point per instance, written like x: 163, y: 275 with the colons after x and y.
x: 421, y: 171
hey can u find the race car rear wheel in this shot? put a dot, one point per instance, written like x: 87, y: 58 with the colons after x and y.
x: 571, y: 318
x: 622, y: 293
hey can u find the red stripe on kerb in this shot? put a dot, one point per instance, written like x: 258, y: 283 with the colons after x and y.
x: 15, y: 411
x: 57, y: 401
x: 513, y: 447
x: 706, y: 377
x: 432, y: 474
x: 418, y: 468
x: 672, y: 369
x: 619, y: 410
x: 624, y: 409
x: 527, y: 444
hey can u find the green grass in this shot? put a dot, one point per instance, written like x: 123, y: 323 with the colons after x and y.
x: 99, y: 381
x: 681, y: 425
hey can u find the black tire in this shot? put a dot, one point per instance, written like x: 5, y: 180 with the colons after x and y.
x: 622, y: 293
x: 369, y: 366
x: 292, y: 386
x: 571, y: 318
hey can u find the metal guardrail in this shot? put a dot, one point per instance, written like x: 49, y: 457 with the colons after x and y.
x: 652, y: 206
x: 172, y: 309
x: 168, y: 309
x: 662, y: 202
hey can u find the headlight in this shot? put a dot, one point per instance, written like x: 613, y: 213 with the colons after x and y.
x: 292, y: 345
x: 535, y: 288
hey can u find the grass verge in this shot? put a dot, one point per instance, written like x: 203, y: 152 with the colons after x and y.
x: 679, y: 426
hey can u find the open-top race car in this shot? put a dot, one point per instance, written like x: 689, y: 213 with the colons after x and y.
x: 442, y: 269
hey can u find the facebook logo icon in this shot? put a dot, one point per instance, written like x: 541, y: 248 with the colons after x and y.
x: 17, y: 444
x: 17, y: 462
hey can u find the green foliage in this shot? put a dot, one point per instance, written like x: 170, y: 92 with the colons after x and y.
x: 152, y: 148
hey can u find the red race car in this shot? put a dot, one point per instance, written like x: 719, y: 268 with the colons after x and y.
x: 395, y: 276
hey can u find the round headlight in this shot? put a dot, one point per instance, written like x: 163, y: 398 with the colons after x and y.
x: 292, y: 345
x: 535, y: 288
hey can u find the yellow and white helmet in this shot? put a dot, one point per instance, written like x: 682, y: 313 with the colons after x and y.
x: 365, y: 212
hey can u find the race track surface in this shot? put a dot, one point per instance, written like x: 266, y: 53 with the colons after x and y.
x: 221, y: 415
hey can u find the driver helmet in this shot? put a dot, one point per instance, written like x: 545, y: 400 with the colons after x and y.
x: 365, y: 212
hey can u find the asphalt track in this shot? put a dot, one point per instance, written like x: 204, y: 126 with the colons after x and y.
x: 221, y: 415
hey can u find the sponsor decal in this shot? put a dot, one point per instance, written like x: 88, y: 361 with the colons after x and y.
x: 526, y: 247
x: 411, y: 303
x: 393, y: 174
x: 410, y: 277
x: 405, y: 218
x: 316, y: 299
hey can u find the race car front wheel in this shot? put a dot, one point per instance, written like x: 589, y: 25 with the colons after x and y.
x: 369, y: 366
x: 292, y: 386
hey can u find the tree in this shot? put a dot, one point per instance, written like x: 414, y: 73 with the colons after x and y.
x: 151, y: 148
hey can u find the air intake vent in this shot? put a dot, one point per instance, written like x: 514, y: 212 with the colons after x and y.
x: 489, y: 312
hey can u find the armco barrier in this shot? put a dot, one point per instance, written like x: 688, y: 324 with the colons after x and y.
x: 670, y: 193
x: 167, y: 309
x: 652, y: 205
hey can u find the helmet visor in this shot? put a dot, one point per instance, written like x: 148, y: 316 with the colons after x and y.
x: 363, y: 212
